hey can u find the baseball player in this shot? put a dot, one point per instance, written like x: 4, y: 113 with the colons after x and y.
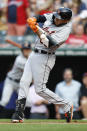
x: 13, y: 77
x: 57, y: 26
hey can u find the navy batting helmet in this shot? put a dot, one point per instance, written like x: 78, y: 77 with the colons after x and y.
x: 63, y: 13
x: 26, y: 46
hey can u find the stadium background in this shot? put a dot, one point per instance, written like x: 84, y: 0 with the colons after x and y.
x: 69, y: 55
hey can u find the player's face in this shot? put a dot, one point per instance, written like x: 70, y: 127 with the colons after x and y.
x: 79, y: 30
x: 58, y: 21
x: 68, y: 76
x: 26, y: 52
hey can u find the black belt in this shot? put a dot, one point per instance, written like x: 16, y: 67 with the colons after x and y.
x: 17, y: 81
x: 43, y: 52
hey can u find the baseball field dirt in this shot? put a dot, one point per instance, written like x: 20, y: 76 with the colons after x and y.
x: 43, y: 125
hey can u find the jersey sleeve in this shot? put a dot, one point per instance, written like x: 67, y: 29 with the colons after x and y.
x: 48, y: 16
x: 63, y: 35
x: 43, y: 18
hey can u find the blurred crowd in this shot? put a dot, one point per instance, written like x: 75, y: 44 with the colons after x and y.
x: 14, y: 13
x: 13, y: 17
x: 39, y: 108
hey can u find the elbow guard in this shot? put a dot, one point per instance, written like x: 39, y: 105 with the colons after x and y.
x: 52, y: 41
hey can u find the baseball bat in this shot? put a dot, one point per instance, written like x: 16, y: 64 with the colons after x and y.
x: 41, y: 30
x: 14, y: 43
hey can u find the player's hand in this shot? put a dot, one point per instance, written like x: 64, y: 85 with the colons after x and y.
x: 44, y: 40
x: 32, y: 22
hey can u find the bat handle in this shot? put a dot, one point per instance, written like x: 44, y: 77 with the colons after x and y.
x: 41, y: 30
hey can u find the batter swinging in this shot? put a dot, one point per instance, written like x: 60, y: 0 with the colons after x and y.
x: 57, y: 28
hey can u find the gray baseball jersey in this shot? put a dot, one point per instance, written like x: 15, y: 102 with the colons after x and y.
x: 18, y: 68
x: 39, y: 65
x: 59, y: 33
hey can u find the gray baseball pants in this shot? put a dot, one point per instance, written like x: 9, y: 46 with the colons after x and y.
x: 38, y: 68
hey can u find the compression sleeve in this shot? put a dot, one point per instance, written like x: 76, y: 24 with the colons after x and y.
x: 52, y: 41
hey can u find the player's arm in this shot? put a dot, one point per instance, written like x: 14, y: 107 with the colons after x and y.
x: 33, y: 24
x: 51, y: 41
x: 60, y: 37
x: 46, y: 39
x: 40, y: 18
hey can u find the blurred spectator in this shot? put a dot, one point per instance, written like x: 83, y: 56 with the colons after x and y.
x: 85, y: 1
x: 75, y: 9
x: 74, y: 28
x: 3, y: 3
x: 67, y: 3
x: 62, y: 3
x: 38, y: 105
x: 85, y: 29
x: 78, y: 38
x: 78, y: 6
x: 18, y: 11
x: 84, y: 96
x: 32, y: 7
x: 81, y: 16
x: 3, y: 24
x: 57, y: 4
x: 44, y: 6
x: 68, y: 89
x: 40, y: 7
